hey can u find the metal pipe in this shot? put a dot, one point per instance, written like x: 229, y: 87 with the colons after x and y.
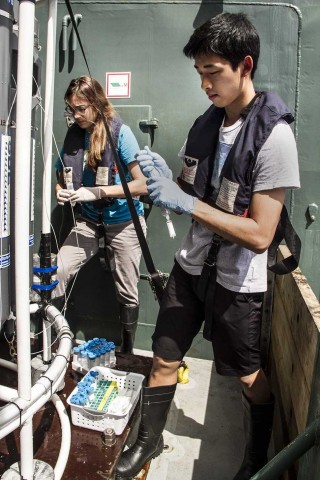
x: 292, y: 452
x: 78, y: 18
x: 65, y: 23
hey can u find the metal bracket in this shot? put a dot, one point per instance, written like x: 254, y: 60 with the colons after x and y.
x: 152, y: 123
x: 149, y: 126
x: 313, y: 211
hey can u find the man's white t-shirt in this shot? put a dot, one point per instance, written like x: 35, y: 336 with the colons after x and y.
x: 240, y: 269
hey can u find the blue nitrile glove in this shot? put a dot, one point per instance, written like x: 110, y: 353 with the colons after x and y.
x: 152, y: 165
x: 167, y: 194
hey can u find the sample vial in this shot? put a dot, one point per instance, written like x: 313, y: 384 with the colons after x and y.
x: 112, y: 354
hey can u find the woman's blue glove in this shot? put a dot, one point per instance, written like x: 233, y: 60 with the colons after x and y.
x: 152, y: 165
x: 167, y: 194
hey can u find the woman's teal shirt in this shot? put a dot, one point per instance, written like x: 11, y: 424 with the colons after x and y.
x: 118, y: 212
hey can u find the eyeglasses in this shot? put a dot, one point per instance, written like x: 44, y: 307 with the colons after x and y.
x: 80, y: 109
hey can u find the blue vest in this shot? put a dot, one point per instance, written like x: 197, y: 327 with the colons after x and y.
x: 236, y: 187
x: 234, y: 195
x: 73, y: 157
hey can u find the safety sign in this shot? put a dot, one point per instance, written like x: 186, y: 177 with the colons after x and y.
x: 118, y: 84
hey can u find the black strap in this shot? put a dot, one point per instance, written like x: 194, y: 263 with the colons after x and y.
x: 208, y: 272
x: 207, y: 281
x: 158, y: 285
x: 285, y: 231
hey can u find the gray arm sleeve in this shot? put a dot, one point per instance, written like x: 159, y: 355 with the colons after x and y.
x: 277, y: 162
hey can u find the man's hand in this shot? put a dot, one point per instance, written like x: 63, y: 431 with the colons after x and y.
x: 152, y: 165
x: 63, y: 196
x: 86, y: 194
x: 167, y: 194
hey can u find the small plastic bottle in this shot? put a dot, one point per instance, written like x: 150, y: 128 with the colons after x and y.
x: 92, y: 360
x: 107, y: 356
x: 84, y: 359
x: 76, y: 353
x: 103, y: 351
x: 166, y: 213
x: 98, y: 357
x: 95, y: 376
x: 112, y: 354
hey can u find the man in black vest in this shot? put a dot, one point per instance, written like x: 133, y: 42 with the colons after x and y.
x: 238, y: 160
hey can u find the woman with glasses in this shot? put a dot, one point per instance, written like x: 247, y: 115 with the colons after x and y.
x: 87, y: 174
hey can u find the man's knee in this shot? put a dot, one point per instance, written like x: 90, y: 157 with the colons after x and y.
x: 164, y: 372
x: 247, y: 381
x: 162, y: 364
x: 256, y: 387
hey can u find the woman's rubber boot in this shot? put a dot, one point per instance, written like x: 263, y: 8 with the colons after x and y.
x: 156, y: 403
x: 258, y: 420
x: 129, y: 320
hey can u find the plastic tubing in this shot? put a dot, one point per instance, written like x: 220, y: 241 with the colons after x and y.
x: 15, y: 414
x: 65, y: 437
x: 6, y: 394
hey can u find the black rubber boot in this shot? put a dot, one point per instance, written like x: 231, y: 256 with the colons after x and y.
x: 156, y: 403
x: 129, y: 319
x: 258, y: 421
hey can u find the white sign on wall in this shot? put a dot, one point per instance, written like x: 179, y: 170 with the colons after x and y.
x: 118, y: 84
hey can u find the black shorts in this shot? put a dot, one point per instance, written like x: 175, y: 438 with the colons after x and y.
x: 236, y: 324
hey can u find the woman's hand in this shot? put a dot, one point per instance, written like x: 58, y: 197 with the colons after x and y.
x: 63, y: 196
x: 86, y: 194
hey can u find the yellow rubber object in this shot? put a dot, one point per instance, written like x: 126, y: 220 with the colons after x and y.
x: 183, y: 373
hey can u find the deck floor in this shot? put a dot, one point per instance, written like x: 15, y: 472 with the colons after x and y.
x: 203, y: 433
x: 204, y: 430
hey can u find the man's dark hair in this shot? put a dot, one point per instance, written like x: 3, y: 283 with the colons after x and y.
x: 230, y: 35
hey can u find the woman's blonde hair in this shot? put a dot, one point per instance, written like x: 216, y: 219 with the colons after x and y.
x: 91, y: 90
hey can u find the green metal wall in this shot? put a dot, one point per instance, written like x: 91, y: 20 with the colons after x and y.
x: 146, y: 39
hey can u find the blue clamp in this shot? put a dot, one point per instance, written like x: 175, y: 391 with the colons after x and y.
x: 45, y: 270
x: 38, y: 286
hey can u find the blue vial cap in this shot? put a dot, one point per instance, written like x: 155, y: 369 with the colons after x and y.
x: 74, y: 399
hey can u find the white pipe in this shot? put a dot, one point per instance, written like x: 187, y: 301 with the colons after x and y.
x: 7, y: 394
x: 7, y: 364
x: 46, y: 385
x: 48, y: 114
x: 47, y: 149
x: 22, y: 219
x: 65, y: 437
x: 22, y: 193
x: 26, y: 454
x: 34, y: 307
